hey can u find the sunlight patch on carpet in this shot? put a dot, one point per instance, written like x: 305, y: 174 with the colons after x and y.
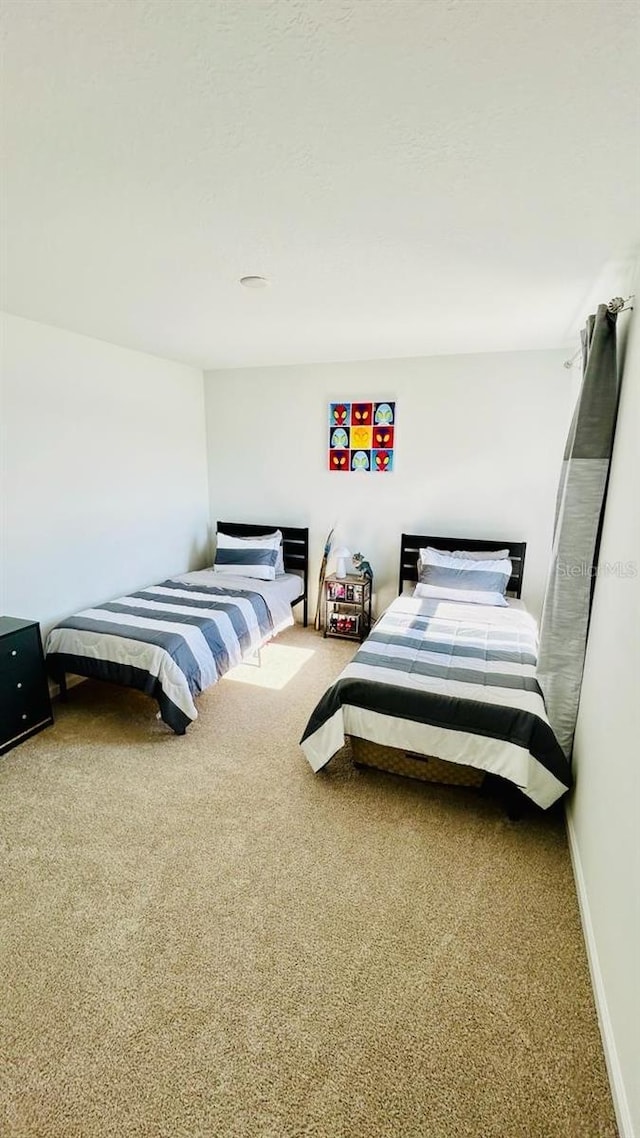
x: 279, y: 663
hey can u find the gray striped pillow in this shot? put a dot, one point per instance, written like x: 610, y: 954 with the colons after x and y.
x: 280, y: 569
x: 457, y: 578
x: 255, y: 558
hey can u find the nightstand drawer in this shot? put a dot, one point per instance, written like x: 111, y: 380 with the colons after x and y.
x: 21, y: 710
x: 25, y: 705
x: 20, y: 653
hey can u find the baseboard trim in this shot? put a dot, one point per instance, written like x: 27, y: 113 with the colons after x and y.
x: 618, y: 1091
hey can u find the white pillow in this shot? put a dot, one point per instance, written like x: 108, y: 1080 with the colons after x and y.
x: 255, y: 557
x: 280, y: 569
x: 467, y: 596
x: 482, y: 581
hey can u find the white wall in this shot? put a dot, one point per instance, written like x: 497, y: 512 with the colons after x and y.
x: 604, y: 809
x: 478, y: 450
x: 104, y: 485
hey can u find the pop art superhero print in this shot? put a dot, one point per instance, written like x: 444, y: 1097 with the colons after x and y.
x: 361, y: 460
x: 384, y: 413
x: 339, y: 460
x: 383, y: 438
x: 361, y: 414
x: 340, y: 414
x: 361, y: 437
x: 383, y: 460
x: 339, y: 438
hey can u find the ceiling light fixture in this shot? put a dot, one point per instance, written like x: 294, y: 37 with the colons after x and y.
x: 254, y: 282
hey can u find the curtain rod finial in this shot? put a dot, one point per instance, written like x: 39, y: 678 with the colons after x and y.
x: 620, y: 303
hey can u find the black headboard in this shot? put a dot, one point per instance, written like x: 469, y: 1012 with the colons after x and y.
x: 295, y: 549
x: 410, y: 543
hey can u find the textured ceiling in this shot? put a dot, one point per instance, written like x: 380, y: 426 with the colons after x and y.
x: 415, y: 177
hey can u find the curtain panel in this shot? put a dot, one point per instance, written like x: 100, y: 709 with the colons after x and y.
x: 579, y: 513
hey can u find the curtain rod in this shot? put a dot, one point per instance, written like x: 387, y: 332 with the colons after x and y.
x: 615, y: 305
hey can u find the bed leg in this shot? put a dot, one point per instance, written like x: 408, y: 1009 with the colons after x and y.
x: 305, y: 613
x: 513, y: 802
x: 62, y: 683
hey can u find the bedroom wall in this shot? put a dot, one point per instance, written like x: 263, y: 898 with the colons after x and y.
x: 604, y: 808
x: 479, y: 446
x: 104, y: 484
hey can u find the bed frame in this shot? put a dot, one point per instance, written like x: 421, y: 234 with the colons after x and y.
x: 295, y: 543
x: 295, y: 550
x: 411, y: 543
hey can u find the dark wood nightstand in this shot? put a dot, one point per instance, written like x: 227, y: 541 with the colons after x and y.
x: 347, y: 606
x: 25, y: 705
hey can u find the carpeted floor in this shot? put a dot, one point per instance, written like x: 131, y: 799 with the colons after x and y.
x: 202, y: 937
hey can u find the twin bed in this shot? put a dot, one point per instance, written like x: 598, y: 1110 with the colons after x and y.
x: 442, y: 688
x: 174, y: 639
x: 447, y: 683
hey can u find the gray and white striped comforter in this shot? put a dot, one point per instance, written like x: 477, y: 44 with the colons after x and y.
x: 456, y: 681
x: 171, y: 640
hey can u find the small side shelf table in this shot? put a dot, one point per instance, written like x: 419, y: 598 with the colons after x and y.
x: 347, y: 606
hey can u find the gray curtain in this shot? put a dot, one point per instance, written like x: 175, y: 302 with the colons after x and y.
x: 579, y: 512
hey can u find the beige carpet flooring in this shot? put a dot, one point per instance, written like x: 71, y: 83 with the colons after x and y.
x: 202, y: 937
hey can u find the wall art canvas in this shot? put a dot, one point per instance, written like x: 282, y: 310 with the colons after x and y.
x: 362, y: 437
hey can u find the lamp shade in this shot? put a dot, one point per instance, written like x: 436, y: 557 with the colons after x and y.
x: 341, y: 555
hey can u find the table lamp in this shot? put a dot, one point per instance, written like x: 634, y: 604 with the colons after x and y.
x: 341, y: 554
